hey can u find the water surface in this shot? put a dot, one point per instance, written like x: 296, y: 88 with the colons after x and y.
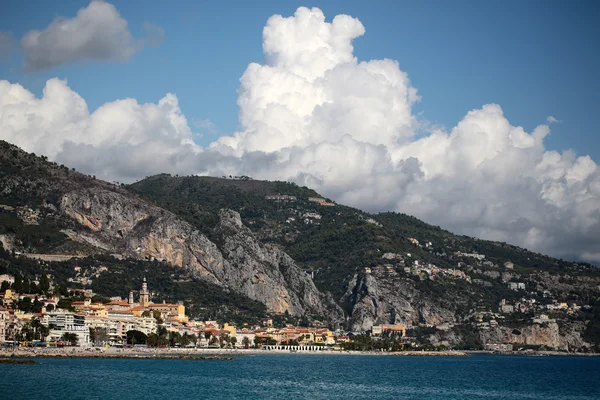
x: 277, y: 376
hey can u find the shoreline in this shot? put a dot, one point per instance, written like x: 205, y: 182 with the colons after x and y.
x: 230, y: 354
x: 200, y: 353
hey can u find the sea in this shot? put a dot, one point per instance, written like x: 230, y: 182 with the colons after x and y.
x: 307, y: 376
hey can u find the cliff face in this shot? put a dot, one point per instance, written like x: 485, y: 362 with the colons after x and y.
x: 386, y: 298
x: 547, y: 334
x: 129, y: 226
x: 265, y: 271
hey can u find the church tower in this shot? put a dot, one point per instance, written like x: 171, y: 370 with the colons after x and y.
x: 130, y: 298
x: 144, y: 295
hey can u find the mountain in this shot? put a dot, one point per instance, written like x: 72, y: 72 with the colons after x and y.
x: 68, y: 210
x: 285, y: 247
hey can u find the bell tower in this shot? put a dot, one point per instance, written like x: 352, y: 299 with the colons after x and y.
x: 144, y: 295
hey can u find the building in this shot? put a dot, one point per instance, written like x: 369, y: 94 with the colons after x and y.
x: 505, y: 307
x: 3, y: 324
x: 378, y: 330
x: 170, y: 311
x: 516, y: 285
x: 61, y: 322
x: 244, y: 333
x: 498, y: 347
x: 144, y: 294
x: 280, y: 197
x: 61, y: 319
x: 321, y: 201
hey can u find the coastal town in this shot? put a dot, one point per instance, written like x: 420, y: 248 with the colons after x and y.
x: 137, y: 321
x: 49, y: 319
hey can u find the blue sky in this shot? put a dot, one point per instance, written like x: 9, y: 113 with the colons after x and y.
x: 534, y: 58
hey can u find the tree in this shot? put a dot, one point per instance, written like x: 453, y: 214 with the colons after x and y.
x: 136, y: 337
x: 24, y: 304
x: 162, y: 331
x: 40, y: 331
x: 17, y: 285
x: 246, y: 342
x: 174, y: 338
x: 65, y: 303
x: 72, y: 338
x: 233, y: 341
x: 185, y: 339
x: 37, y: 305
x: 152, y: 340
x: 98, y: 336
x: 157, y: 316
x: 44, y: 283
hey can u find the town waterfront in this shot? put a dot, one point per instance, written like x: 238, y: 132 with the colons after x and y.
x: 313, y: 376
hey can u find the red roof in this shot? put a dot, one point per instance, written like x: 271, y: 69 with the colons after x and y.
x: 163, y: 305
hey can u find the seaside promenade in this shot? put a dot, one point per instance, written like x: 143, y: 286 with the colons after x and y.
x: 112, y: 352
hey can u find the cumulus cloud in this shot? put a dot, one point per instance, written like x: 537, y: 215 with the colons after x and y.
x: 314, y: 114
x: 129, y: 135
x: 97, y: 32
x: 6, y: 44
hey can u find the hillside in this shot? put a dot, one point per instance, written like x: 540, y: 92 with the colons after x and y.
x: 387, y: 267
x: 240, y: 248
x: 48, y: 208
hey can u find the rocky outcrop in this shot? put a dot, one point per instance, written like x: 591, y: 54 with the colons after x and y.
x: 547, y: 334
x: 386, y: 298
x: 127, y: 225
x: 265, y: 271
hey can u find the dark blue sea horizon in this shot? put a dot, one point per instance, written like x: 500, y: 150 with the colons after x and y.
x: 280, y: 376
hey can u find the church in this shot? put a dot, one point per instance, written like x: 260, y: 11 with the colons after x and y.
x: 169, y: 312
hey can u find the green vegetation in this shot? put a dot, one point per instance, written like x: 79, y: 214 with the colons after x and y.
x: 202, y: 299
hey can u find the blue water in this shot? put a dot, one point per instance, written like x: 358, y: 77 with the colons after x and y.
x: 308, y: 377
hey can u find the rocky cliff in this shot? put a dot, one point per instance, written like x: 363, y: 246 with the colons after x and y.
x: 127, y: 225
x: 384, y: 297
x: 547, y: 334
x: 264, y: 271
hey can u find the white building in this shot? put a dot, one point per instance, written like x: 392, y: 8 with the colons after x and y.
x: 3, y: 323
x: 244, y: 333
x: 61, y: 322
x: 60, y: 319
x: 82, y: 332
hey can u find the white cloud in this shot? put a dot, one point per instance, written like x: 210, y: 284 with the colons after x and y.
x: 97, y: 32
x: 314, y: 114
x: 552, y: 120
x: 121, y: 140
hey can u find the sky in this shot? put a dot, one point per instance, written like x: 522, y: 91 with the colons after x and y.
x: 476, y: 116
